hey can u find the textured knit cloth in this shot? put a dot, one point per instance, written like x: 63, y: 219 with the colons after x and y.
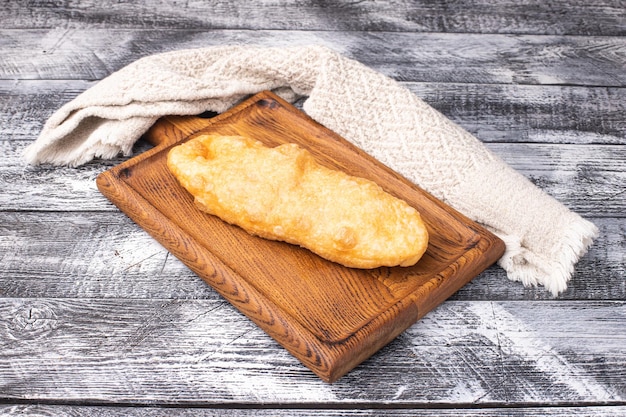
x: 544, y: 239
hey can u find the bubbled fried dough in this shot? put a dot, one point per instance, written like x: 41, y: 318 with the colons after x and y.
x: 282, y: 193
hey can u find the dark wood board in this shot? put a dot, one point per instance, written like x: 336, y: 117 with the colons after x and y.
x: 328, y: 316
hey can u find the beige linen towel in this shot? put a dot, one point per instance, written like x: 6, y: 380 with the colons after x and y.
x: 543, y: 238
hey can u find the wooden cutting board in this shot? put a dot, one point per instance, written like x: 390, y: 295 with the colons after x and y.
x: 328, y: 316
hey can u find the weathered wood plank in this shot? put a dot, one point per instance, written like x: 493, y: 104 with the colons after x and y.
x: 589, y: 179
x: 26, y: 105
x: 494, y: 113
x: 99, y: 256
x: 40, y: 410
x: 541, y: 114
x: 203, y: 352
x: 106, y: 255
x: 421, y: 57
x: 578, y: 17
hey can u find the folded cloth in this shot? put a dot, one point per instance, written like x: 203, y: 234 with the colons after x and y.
x: 544, y: 239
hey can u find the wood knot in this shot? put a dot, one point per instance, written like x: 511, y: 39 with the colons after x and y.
x: 268, y: 103
x: 33, y: 321
x: 125, y: 173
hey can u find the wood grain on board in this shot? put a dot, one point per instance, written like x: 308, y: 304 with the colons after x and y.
x: 330, y: 317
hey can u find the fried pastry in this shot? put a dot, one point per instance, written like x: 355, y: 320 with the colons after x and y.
x: 282, y: 193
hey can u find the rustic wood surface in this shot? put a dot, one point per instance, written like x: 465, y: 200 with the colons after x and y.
x: 97, y: 318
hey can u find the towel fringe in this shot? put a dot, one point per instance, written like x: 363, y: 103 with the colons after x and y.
x: 521, y: 264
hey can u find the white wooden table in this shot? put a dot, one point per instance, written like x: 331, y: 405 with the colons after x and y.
x: 96, y: 318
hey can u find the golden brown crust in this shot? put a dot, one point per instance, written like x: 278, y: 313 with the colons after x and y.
x: 282, y: 193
